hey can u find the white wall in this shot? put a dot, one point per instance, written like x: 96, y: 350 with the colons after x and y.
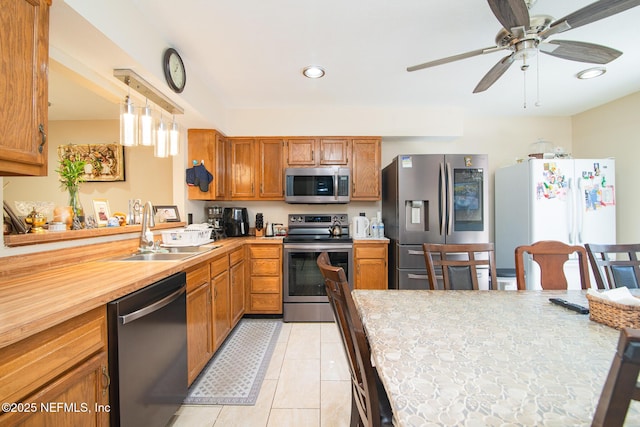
x: 612, y: 130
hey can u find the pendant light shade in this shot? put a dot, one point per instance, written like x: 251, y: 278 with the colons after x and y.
x: 174, y: 138
x: 162, y: 143
x: 146, y: 127
x: 128, y: 123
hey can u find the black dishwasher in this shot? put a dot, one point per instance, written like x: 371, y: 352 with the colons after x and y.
x: 148, y: 353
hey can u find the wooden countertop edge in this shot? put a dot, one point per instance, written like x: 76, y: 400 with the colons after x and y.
x: 33, y: 303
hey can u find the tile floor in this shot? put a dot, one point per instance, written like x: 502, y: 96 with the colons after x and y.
x: 307, y: 385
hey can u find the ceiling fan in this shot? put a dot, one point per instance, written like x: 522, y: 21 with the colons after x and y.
x: 524, y: 36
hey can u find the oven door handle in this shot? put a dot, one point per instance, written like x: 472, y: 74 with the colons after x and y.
x: 319, y: 246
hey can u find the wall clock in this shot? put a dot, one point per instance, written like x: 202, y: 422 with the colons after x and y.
x: 174, y: 70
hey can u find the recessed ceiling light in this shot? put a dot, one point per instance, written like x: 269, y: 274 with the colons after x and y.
x: 313, y: 71
x: 591, y: 73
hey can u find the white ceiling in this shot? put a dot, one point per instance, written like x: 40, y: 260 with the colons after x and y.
x: 251, y: 53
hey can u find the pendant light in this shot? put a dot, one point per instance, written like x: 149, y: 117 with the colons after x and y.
x: 162, y: 149
x: 145, y: 126
x: 174, y: 138
x: 128, y: 123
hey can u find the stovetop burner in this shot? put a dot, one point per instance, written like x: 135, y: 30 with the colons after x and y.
x: 317, y: 239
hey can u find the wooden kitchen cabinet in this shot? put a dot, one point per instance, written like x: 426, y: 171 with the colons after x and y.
x: 322, y: 151
x: 199, y: 335
x: 366, y: 173
x: 208, y: 146
x: 264, y: 295
x: 237, y: 274
x: 370, y: 263
x: 220, y: 316
x: 270, y: 168
x: 242, y: 168
x: 67, y: 363
x: 24, y: 37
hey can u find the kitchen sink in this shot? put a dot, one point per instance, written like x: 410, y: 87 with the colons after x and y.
x: 170, y: 254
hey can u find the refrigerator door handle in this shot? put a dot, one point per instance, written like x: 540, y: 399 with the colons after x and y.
x: 579, y: 210
x: 571, y: 213
x: 414, y: 252
x: 418, y: 276
x: 443, y: 199
x: 449, y: 199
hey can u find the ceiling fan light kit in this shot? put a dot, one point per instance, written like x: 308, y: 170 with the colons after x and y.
x: 524, y: 36
x: 591, y: 73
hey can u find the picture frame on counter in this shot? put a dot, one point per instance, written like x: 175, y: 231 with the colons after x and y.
x: 17, y: 223
x: 166, y: 213
x: 101, y: 211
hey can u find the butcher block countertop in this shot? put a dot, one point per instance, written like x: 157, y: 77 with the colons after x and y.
x: 33, y: 302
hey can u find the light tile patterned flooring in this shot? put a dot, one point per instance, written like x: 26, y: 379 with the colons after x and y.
x: 307, y: 385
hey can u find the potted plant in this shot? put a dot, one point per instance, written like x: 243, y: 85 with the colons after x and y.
x: 71, y: 173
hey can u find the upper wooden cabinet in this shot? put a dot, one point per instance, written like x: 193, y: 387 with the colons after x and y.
x: 24, y: 37
x: 210, y: 147
x: 317, y: 151
x: 271, y: 168
x: 366, y: 173
x: 242, y: 170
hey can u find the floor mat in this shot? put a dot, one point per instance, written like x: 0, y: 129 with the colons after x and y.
x: 234, y: 375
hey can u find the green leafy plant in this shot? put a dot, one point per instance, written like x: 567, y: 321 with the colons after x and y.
x: 71, y: 172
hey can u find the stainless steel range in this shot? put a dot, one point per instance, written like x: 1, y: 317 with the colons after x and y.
x: 305, y: 298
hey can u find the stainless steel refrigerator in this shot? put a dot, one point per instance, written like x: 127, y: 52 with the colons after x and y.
x: 432, y: 198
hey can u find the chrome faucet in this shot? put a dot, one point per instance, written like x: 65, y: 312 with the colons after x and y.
x: 146, y: 236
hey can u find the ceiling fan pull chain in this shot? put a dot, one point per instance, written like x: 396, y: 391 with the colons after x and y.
x: 524, y: 85
x: 538, y: 103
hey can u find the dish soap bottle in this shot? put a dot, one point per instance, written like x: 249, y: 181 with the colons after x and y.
x: 380, y: 226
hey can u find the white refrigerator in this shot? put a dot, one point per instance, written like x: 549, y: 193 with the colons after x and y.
x: 570, y: 200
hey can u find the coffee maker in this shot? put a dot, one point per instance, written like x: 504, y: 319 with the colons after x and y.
x: 236, y: 221
x: 214, y: 218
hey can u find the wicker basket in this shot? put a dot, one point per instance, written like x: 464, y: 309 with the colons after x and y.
x: 613, y: 314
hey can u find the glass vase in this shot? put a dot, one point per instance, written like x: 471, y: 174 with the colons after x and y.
x: 76, y: 207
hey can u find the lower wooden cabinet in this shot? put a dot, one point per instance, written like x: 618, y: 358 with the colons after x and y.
x: 237, y: 284
x: 264, y: 294
x: 370, y: 263
x: 59, y: 377
x: 221, y: 325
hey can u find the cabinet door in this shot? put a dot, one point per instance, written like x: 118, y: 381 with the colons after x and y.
x: 24, y: 37
x: 271, y: 169
x: 365, y: 169
x: 334, y: 151
x: 237, y: 292
x: 301, y: 152
x: 242, y: 167
x: 371, y: 273
x: 199, y: 345
x: 220, y: 316
x: 209, y: 147
x: 85, y: 391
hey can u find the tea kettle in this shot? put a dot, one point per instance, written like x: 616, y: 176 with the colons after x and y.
x: 335, y: 229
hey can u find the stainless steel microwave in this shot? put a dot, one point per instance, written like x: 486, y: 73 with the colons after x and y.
x: 317, y: 185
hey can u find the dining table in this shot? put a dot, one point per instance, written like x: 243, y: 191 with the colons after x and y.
x: 488, y: 358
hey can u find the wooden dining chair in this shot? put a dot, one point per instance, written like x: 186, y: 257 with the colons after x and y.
x: 459, y: 264
x: 615, y: 266
x: 621, y: 385
x: 551, y: 256
x: 370, y: 405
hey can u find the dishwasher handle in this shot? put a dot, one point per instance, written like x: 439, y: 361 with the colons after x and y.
x: 127, y: 318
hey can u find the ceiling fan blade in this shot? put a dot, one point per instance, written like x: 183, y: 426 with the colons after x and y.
x: 510, y: 13
x: 495, y: 73
x: 595, y: 11
x: 454, y: 58
x: 580, y: 51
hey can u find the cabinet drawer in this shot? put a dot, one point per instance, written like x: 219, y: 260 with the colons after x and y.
x: 219, y: 265
x: 371, y: 252
x: 29, y: 364
x: 264, y: 251
x: 266, y: 303
x: 197, y: 276
x: 236, y: 256
x: 265, y: 284
x: 265, y: 267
